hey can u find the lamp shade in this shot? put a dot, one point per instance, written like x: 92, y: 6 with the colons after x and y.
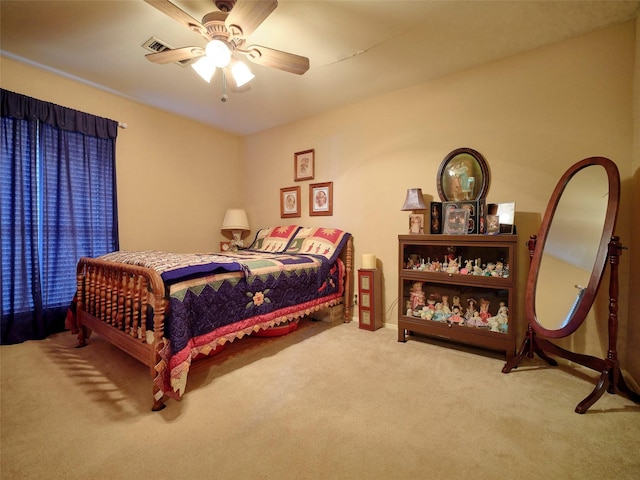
x: 241, y: 74
x: 235, y: 219
x: 205, y: 68
x: 414, y: 200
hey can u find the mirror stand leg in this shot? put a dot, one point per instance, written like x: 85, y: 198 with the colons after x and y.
x: 612, y: 381
x: 621, y: 387
x: 515, y: 361
x: 603, y: 384
x: 530, y: 346
x: 611, y: 378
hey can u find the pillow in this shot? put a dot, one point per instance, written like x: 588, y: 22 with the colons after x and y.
x: 296, y: 243
x: 275, y: 239
x: 259, y: 240
x: 327, y: 242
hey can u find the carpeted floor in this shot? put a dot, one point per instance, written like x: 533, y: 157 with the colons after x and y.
x: 326, y: 401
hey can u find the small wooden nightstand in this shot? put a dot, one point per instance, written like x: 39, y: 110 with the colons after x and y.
x: 370, y: 299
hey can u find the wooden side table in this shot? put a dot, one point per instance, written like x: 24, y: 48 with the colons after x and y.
x: 370, y: 299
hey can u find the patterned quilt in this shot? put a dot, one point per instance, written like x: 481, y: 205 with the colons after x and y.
x: 215, y: 298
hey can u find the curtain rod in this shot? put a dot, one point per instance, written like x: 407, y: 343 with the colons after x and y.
x: 122, y: 125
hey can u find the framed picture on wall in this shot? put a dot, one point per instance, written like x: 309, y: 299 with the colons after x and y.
x: 304, y: 165
x: 321, y: 199
x: 290, y: 202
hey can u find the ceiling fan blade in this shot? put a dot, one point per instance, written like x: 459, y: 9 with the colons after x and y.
x: 247, y: 15
x: 168, y: 8
x: 175, y: 55
x: 270, y: 57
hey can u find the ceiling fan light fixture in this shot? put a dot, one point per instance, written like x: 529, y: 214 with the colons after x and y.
x: 241, y: 74
x: 218, y: 53
x: 205, y: 68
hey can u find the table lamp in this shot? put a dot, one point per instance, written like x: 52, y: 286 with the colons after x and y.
x: 235, y: 220
x: 414, y: 201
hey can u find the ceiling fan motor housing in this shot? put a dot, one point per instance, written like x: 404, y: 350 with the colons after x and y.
x: 224, y: 5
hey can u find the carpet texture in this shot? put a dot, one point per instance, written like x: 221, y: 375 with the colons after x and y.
x: 326, y: 401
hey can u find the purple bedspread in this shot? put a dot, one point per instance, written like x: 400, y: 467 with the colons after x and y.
x: 217, y: 298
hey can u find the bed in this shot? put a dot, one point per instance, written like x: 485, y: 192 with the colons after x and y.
x: 167, y: 309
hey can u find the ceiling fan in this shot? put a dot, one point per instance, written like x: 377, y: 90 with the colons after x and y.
x: 226, y: 31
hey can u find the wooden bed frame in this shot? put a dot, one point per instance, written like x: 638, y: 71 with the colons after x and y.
x: 115, y: 299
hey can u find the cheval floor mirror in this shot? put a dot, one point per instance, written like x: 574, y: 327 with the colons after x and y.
x: 568, y: 260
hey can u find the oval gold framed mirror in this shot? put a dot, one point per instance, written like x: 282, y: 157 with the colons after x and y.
x: 463, y: 175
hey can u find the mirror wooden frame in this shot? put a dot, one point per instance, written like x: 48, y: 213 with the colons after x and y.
x: 610, y: 248
x: 582, y: 308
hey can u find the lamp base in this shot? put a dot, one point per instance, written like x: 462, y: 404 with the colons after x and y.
x: 237, y: 241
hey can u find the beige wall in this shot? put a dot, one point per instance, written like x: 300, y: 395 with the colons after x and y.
x: 633, y: 352
x: 175, y: 177
x: 531, y: 116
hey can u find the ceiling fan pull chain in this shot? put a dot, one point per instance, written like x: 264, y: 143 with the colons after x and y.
x: 224, y: 97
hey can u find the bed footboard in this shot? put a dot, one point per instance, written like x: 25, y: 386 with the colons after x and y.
x: 125, y: 304
x: 347, y: 257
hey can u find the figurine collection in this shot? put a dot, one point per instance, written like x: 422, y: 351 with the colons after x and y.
x: 452, y: 264
x: 438, y: 309
x: 475, y: 312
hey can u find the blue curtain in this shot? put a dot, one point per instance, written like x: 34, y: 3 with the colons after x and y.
x: 57, y: 204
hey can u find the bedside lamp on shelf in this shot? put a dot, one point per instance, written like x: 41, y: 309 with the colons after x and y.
x: 237, y: 222
x: 414, y: 201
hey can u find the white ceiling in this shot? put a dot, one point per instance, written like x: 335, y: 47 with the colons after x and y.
x: 357, y: 49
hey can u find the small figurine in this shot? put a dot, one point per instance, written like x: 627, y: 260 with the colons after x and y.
x: 426, y: 313
x: 439, y: 315
x: 455, y: 316
x: 471, y: 308
x: 453, y: 266
x: 493, y: 324
x: 503, y: 317
x: 431, y: 303
x: 445, y: 306
x: 505, y: 271
x: 477, y: 269
x: 475, y: 320
x: 488, y: 272
x: 417, y: 298
x: 455, y: 303
x: 468, y: 268
x: 500, y: 323
x: 484, y: 310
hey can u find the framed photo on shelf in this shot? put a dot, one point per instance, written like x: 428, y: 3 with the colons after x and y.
x: 506, y: 214
x: 456, y: 221
x: 290, y: 202
x: 304, y: 165
x: 493, y: 224
x: 321, y: 199
x: 416, y: 223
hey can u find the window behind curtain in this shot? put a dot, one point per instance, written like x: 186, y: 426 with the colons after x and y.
x: 58, y: 203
